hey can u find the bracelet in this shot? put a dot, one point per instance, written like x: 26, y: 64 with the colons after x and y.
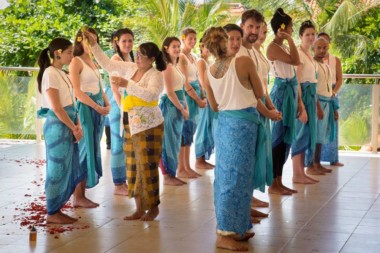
x: 190, y: 89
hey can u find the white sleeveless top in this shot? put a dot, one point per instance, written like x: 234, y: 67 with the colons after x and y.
x: 89, y: 78
x: 56, y: 79
x: 282, y: 69
x: 178, y: 78
x: 309, y: 68
x: 264, y: 68
x: 191, y: 68
x: 332, y: 64
x: 229, y: 93
x: 324, y: 86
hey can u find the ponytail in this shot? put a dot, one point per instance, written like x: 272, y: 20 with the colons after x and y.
x: 152, y: 51
x: 160, y: 62
x: 44, y: 63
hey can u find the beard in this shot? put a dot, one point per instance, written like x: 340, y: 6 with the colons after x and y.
x: 252, y: 37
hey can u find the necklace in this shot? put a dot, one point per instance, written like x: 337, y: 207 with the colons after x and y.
x: 67, y: 83
x: 327, y: 76
x: 312, y: 62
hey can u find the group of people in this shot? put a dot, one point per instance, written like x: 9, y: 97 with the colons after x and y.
x: 160, y: 101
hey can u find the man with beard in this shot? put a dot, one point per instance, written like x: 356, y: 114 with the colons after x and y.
x: 251, y: 22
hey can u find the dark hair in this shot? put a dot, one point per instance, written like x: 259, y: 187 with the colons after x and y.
x: 233, y: 27
x: 187, y: 31
x: 78, y: 48
x: 279, y: 18
x: 150, y: 50
x: 118, y: 34
x: 215, y: 40
x: 324, y: 34
x: 305, y: 25
x: 252, y: 13
x: 47, y: 54
x: 165, y: 46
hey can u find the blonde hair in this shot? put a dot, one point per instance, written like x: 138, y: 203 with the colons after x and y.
x: 215, y: 40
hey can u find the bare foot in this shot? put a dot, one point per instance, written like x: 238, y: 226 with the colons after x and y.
x: 278, y: 191
x: 135, y: 216
x: 210, y: 164
x: 85, y: 203
x: 288, y: 189
x: 74, y: 219
x: 312, y: 179
x: 203, y: 165
x: 259, y: 203
x: 258, y: 214
x: 120, y: 190
x: 303, y: 180
x: 243, y: 238
x: 169, y: 180
x: 151, y: 214
x: 255, y: 220
x: 314, y: 171
x: 324, y: 169
x: 59, y: 218
x: 185, y: 174
x: 193, y: 172
x: 227, y: 242
x: 339, y: 164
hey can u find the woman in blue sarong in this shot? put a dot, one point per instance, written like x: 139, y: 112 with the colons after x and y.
x: 188, y: 66
x: 326, y: 107
x: 307, y: 74
x: 174, y: 110
x: 123, y: 45
x: 204, y: 137
x: 231, y: 92
x: 330, y: 150
x: 62, y: 130
x: 92, y: 106
x: 284, y: 96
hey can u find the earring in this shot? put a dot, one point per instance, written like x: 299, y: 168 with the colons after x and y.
x: 58, y: 57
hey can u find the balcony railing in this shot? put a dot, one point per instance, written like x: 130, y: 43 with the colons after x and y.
x: 19, y: 100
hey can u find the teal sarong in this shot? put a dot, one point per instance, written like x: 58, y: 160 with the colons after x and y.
x: 235, y: 145
x: 63, y: 171
x: 263, y: 172
x: 306, y: 133
x: 173, y: 124
x: 284, y: 98
x: 204, y: 137
x: 190, y: 125
x: 326, y: 126
x: 89, y: 146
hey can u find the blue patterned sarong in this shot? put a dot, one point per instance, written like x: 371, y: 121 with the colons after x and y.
x: 326, y: 126
x: 63, y: 171
x: 190, y: 125
x: 263, y: 172
x: 284, y: 98
x: 204, y: 137
x: 306, y: 133
x: 330, y: 150
x: 235, y: 144
x: 89, y: 146
x: 173, y: 124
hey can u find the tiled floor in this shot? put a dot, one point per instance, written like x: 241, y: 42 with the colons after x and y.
x: 340, y: 214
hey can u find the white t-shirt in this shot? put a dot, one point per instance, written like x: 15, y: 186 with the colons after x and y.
x: 309, y: 68
x: 56, y: 79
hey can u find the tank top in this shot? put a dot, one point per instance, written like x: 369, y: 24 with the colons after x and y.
x: 264, y: 69
x: 178, y: 78
x: 89, y: 79
x: 309, y: 68
x: 191, y: 68
x: 229, y: 93
x: 281, y: 69
x: 324, y: 87
x: 331, y: 61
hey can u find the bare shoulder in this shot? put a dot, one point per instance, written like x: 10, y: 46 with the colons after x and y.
x: 116, y: 57
x: 76, y: 64
x: 182, y: 59
x: 244, y: 62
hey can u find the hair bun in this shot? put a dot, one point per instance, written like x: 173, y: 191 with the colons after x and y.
x: 280, y: 11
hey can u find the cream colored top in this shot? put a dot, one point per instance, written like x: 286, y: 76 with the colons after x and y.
x: 264, y: 68
x: 56, y: 79
x: 229, y: 93
x: 148, y: 89
x: 192, y: 70
x: 178, y: 78
x: 89, y: 78
x: 281, y: 69
x: 309, y: 68
x: 332, y: 64
x: 324, y: 86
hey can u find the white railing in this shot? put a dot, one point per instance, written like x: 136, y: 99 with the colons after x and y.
x: 375, y: 102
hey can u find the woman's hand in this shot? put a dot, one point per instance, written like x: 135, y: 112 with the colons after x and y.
x: 283, y: 35
x: 302, y: 116
x: 119, y: 81
x: 275, y: 115
x: 336, y: 115
x: 319, y: 113
x: 78, y: 134
x: 92, y: 38
x: 185, y: 113
x: 102, y: 110
x: 202, y: 103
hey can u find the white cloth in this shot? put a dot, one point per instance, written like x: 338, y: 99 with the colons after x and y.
x: 89, y: 78
x: 324, y: 86
x: 332, y: 64
x: 192, y: 70
x: 178, y: 78
x: 309, y: 68
x: 229, y: 93
x: 263, y: 69
x: 56, y: 79
x: 282, y: 69
x: 148, y: 89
